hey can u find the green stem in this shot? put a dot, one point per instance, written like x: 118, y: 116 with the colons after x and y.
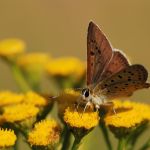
x: 42, y: 147
x: 146, y: 146
x: 135, y: 134
x: 16, y: 144
x: 66, y: 139
x: 106, y: 136
x: 45, y: 112
x: 20, y: 80
x: 76, y: 144
x: 121, y: 144
x: 33, y: 78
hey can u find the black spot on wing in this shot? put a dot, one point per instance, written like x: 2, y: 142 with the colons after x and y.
x: 92, y: 53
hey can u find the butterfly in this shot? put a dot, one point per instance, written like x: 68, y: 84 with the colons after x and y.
x: 109, y: 73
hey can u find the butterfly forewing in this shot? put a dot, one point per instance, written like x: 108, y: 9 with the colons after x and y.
x: 123, y: 83
x: 99, y: 53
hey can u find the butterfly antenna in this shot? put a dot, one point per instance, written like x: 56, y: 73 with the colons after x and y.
x: 48, y: 97
x: 114, y: 111
x: 55, y: 96
x: 78, y: 89
x: 58, y: 94
x: 87, y: 104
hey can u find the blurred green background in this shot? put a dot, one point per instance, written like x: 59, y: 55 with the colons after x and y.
x: 59, y: 27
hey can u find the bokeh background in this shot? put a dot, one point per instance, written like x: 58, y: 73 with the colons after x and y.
x: 59, y: 28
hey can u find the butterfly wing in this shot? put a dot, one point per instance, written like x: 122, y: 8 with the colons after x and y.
x: 108, y: 71
x: 99, y: 53
x: 124, y: 89
x: 116, y: 64
x: 123, y: 83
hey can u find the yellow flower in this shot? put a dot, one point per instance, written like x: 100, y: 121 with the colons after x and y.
x: 46, y: 132
x: 19, y: 112
x: 80, y: 123
x: 9, y: 98
x: 7, y: 138
x: 33, y: 60
x: 34, y: 99
x: 128, y: 114
x: 11, y: 47
x: 65, y: 67
x: 85, y: 120
x: 71, y: 92
x: 67, y: 98
x: 126, y: 104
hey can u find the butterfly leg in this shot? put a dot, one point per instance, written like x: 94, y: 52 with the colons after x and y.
x: 78, y: 104
x: 87, y: 104
x: 112, y: 105
x: 114, y: 111
x: 97, y: 107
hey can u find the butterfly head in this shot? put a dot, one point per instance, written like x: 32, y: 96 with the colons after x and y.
x: 86, y: 95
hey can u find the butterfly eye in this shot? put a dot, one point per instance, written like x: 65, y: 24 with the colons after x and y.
x: 86, y: 92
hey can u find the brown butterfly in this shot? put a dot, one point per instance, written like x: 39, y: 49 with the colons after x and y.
x: 109, y: 74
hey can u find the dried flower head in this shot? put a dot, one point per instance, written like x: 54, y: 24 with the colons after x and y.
x: 46, y: 132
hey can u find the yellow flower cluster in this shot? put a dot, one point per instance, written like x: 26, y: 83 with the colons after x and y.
x: 33, y: 61
x: 11, y: 47
x: 19, y: 112
x: 128, y: 114
x: 85, y: 120
x: 65, y: 67
x: 18, y: 107
x: 34, y: 99
x: 71, y: 93
x: 126, y: 104
x: 67, y: 98
x: 46, y: 132
x: 7, y: 138
x: 8, y: 98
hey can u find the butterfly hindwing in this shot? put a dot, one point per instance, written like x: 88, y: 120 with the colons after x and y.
x: 124, y: 83
x: 117, y: 63
x: 99, y: 53
x: 131, y: 73
x: 124, y: 89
